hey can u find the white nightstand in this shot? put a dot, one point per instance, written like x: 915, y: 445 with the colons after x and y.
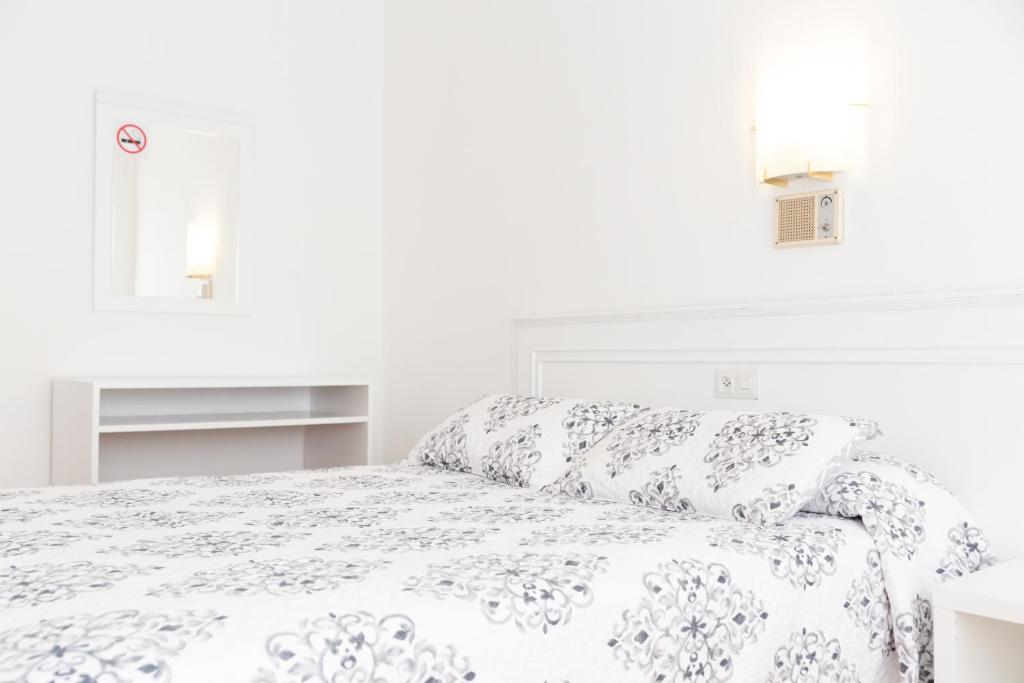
x: 979, y: 626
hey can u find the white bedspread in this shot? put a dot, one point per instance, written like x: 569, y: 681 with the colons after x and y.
x: 409, y: 573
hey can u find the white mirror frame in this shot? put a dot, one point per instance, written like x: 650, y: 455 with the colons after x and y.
x: 110, y: 106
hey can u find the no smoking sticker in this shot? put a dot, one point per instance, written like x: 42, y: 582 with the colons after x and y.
x: 131, y: 138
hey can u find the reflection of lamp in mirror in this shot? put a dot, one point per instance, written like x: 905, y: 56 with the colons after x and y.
x: 201, y: 256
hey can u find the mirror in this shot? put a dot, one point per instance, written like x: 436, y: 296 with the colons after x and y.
x: 168, y: 207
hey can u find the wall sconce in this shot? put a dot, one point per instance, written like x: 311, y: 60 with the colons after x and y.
x: 201, y: 256
x: 807, y: 125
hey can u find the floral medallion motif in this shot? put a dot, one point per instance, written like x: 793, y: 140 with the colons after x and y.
x: 913, y: 470
x: 445, y: 448
x: 968, y: 552
x: 661, y: 490
x: 419, y: 497
x: 116, y: 647
x: 27, y: 542
x: 303, y: 575
x: 360, y: 647
x: 32, y: 585
x: 802, y: 554
x: 595, y: 534
x: 416, y: 467
x: 766, y: 508
x: 148, y: 519
x: 207, y: 544
x: 914, y: 643
x: 508, y: 407
x: 868, y: 603
x: 652, y: 435
x: 571, y: 483
x: 466, y: 482
x: 891, y: 514
x: 512, y: 460
x: 497, y: 514
x: 264, y: 498
x: 22, y: 515
x: 538, y: 497
x: 868, y: 429
x: 352, y: 515
x: 619, y: 512
x: 356, y: 481
x: 690, y: 626
x: 112, y: 497
x: 226, y: 481
x: 756, y: 439
x: 419, y: 539
x: 536, y: 592
x: 810, y: 656
x: 588, y: 423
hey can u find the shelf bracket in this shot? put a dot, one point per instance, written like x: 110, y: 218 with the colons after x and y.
x: 819, y: 175
x: 777, y: 182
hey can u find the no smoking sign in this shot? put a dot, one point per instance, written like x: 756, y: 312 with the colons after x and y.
x: 131, y: 138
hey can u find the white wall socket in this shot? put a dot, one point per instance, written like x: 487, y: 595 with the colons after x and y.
x: 737, y: 383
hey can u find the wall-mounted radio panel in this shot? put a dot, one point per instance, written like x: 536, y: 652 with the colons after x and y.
x: 809, y: 218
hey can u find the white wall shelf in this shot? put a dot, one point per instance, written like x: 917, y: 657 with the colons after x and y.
x: 109, y: 429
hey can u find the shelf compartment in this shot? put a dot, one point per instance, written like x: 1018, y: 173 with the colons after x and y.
x: 111, y: 429
x: 250, y: 420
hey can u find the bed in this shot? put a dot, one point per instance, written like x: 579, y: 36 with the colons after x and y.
x: 409, y: 572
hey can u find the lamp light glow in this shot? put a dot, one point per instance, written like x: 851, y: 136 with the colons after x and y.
x: 201, y: 245
x: 810, y: 119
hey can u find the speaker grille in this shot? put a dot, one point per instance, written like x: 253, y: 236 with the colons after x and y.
x: 794, y: 219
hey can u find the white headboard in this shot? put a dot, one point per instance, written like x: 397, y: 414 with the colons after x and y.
x: 943, y: 373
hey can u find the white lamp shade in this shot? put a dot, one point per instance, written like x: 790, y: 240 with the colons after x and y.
x: 807, y: 119
x: 803, y: 139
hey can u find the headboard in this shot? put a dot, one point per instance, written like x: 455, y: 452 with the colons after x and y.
x: 943, y: 373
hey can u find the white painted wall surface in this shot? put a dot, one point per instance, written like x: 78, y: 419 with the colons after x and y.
x: 564, y: 156
x: 307, y: 73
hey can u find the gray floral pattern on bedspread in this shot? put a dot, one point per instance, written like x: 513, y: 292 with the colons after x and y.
x: 413, y: 574
x: 116, y: 647
x: 922, y: 535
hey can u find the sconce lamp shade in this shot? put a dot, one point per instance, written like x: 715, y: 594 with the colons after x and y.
x: 201, y: 250
x: 803, y: 144
x: 807, y: 124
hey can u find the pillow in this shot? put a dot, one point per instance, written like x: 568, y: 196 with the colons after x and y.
x: 757, y: 467
x: 524, y: 441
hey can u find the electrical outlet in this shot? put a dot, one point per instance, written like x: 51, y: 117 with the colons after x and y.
x: 737, y: 383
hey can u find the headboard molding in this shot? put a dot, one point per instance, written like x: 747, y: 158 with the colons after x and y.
x: 941, y: 372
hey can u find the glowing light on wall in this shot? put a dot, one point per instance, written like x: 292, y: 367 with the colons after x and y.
x: 810, y: 118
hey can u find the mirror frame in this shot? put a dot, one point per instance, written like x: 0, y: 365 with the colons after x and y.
x: 113, y: 106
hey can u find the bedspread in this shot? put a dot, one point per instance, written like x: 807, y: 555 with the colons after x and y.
x: 409, y: 573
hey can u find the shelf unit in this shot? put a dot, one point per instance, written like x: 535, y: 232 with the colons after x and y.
x: 979, y: 625
x: 109, y: 429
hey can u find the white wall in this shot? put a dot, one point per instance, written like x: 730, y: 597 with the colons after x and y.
x: 307, y: 73
x: 562, y: 156
x: 537, y: 157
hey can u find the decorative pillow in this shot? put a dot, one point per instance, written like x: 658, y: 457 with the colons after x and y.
x: 923, y: 536
x: 757, y: 467
x: 524, y: 441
